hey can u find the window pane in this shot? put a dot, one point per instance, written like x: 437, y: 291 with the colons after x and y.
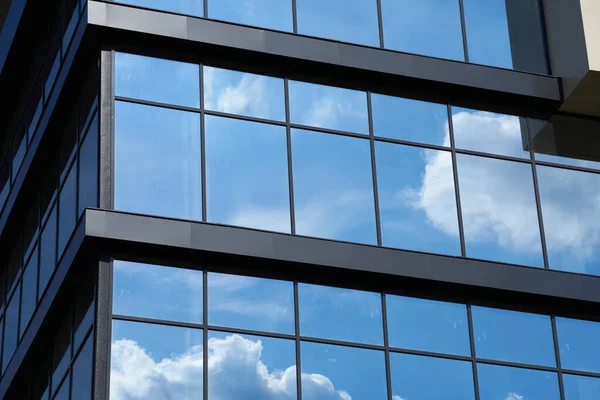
x: 413, y: 120
x: 11, y: 329
x: 4, y: 181
x: 496, y: 337
x: 414, y: 184
x: 83, y: 309
x: 88, y: 169
x: 333, y: 187
x: 429, y: 378
x: 342, y: 314
x: 63, y: 390
x: 82, y: 372
x: 499, y: 211
x: 581, y: 387
x: 579, y: 344
x: 155, y: 291
x: 328, y: 107
x: 496, y: 382
x: 490, y: 132
x: 250, y: 367
x: 247, y: 174
x: 271, y: 14
x: 570, y: 210
x: 427, y: 325
x: 241, y: 93
x: 67, y: 209
x: 157, y: 161
x: 19, y: 151
x: 487, y: 32
x: 189, y: 7
x: 47, y: 252
x: 159, y: 361
x: 156, y: 79
x: 429, y: 27
x: 29, y: 291
x: 61, y: 354
x: 250, y: 303
x: 342, y: 373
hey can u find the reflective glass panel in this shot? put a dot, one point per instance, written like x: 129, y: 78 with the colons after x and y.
x: 155, y: 291
x: 157, y: 161
x: 66, y: 209
x: 61, y: 353
x: 499, y: 212
x: 29, y: 291
x: 156, y: 79
x: 47, y: 252
x: 11, y: 329
x: 189, y: 7
x: 247, y: 174
x: 497, y: 338
x: 509, y: 383
x: 429, y: 27
x: 151, y: 361
x: 490, y: 132
x: 333, y: 187
x: 4, y: 181
x: 570, y: 210
x: 427, y: 325
x: 340, y: 373
x: 271, y: 14
x: 578, y: 342
x: 88, y: 169
x: 487, y: 32
x: 19, y: 151
x: 429, y: 378
x: 251, y: 367
x: 353, y: 21
x: 413, y: 120
x: 82, y: 372
x: 328, y: 107
x: 417, y: 201
x: 581, y: 387
x: 242, y: 93
x: 250, y: 303
x: 342, y: 314
x: 63, y: 390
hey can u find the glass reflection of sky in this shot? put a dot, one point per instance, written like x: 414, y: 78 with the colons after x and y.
x: 271, y: 14
x: 581, y: 387
x: 578, y: 342
x: 189, y: 7
x: 510, y: 383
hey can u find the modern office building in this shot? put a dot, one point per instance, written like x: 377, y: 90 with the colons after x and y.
x: 300, y: 199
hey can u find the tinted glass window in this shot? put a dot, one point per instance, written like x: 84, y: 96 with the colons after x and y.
x: 154, y: 291
x: 496, y: 382
x: 414, y: 184
x: 63, y: 390
x: 83, y: 309
x: 341, y: 314
x: 47, y: 252
x: 427, y: 325
x: 581, y: 387
x: 61, y: 354
x: 496, y: 337
x: 156, y: 79
x: 67, y: 209
x: 250, y: 303
x: 88, y: 169
x: 242, y: 93
x: 11, y: 329
x: 4, y: 181
x: 247, y: 174
x: 499, y: 211
x: 272, y: 14
x: 190, y: 7
x: 29, y: 291
x: 82, y: 372
x: 157, y: 161
x: 578, y: 342
x: 333, y: 187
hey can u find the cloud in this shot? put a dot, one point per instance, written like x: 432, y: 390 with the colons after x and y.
x: 235, y: 371
x: 514, y: 396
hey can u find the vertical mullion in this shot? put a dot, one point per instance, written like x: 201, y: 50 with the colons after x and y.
x: 374, y: 170
x: 297, y: 334
x: 380, y: 24
x: 202, y: 146
x: 557, y: 355
x: 288, y: 131
x: 102, y: 328
x: 205, y: 335
x: 294, y: 17
x: 473, y: 353
x: 461, y: 231
x: 205, y: 8
x: 463, y: 25
x: 386, y: 344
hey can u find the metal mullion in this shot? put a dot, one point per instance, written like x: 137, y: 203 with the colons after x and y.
x: 580, y: 373
x: 332, y: 131
x: 205, y: 335
x: 463, y: 26
x: 374, y: 171
x: 294, y: 17
x: 473, y: 351
x: 461, y: 231
x: 288, y: 134
x: 557, y: 355
x: 494, y: 156
x: 297, y: 337
x: 251, y: 332
x: 488, y: 361
x: 411, y: 143
x: 429, y: 354
x: 203, y: 145
x: 343, y: 343
x: 156, y: 104
x: 380, y: 24
x: 567, y: 167
x: 386, y: 344
x: 205, y: 10
x: 245, y: 118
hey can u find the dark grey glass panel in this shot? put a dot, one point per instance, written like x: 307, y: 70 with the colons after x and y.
x: 88, y: 169
x: 157, y: 161
x: 490, y: 132
x: 487, y: 32
x: 81, y: 387
x: 413, y: 120
x: 341, y: 314
x: 29, y: 291
x: 509, y: 383
x: 47, y: 252
x: 189, y: 7
x: 581, y: 387
x: 338, y: 372
x: 328, y: 107
x: 242, y: 93
x: 513, y: 336
x: 155, y: 361
x: 11, y: 329
x: 156, y: 79
x: 63, y: 390
x: 429, y: 27
x: 570, y: 210
x: 414, y: 185
x: 271, y: 14
x: 19, y: 151
x: 333, y: 187
x: 578, y: 342
x: 4, y: 181
x: 429, y: 378
x: 499, y: 212
x: 67, y: 209
x: 250, y: 303
x: 72, y: 15
x: 83, y: 309
x: 427, y: 325
x: 247, y: 174
x: 61, y: 354
x: 155, y: 291
x: 250, y: 367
